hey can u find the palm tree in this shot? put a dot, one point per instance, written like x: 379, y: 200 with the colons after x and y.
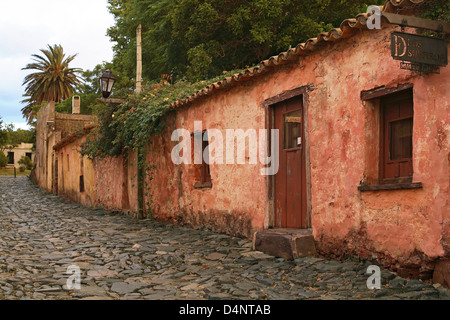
x: 53, y: 81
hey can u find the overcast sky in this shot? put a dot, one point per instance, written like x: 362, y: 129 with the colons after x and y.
x: 26, y: 26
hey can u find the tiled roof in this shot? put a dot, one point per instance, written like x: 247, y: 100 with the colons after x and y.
x: 347, y: 28
x: 393, y: 5
x: 74, y: 136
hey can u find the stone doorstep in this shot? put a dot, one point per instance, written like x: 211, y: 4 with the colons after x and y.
x: 285, y: 243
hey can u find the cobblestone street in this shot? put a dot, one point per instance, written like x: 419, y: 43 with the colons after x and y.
x: 124, y: 258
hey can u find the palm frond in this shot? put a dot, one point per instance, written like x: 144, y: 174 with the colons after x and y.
x: 53, y: 80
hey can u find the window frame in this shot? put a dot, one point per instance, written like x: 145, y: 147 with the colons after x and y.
x: 385, y: 137
x: 374, y: 181
x: 11, y: 159
x: 205, y: 170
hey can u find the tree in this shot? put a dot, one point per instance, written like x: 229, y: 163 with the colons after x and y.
x: 7, y: 139
x: 26, y: 163
x: 5, y: 131
x: 53, y: 81
x: 3, y: 160
x: 160, y: 51
x: 3, y: 136
x: 199, y: 39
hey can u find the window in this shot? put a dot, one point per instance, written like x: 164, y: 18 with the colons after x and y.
x: 10, y: 157
x: 205, y: 174
x: 28, y: 154
x: 396, y: 148
x: 292, y: 122
x: 81, y: 183
x: 389, y: 115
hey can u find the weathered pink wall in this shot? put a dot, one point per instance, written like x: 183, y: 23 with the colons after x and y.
x: 115, y: 183
x: 402, y: 227
x: 70, y: 166
x: 236, y: 202
x: 51, y: 128
x: 108, y: 182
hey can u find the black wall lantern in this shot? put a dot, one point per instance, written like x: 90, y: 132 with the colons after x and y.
x: 106, y: 83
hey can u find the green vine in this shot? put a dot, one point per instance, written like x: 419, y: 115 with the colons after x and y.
x: 128, y: 126
x: 436, y: 10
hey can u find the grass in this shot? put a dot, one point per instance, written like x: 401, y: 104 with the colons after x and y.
x: 10, y: 172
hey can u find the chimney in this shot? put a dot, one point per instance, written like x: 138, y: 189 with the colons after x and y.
x: 76, y: 105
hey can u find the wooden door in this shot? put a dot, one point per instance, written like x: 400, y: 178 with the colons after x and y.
x: 290, y: 181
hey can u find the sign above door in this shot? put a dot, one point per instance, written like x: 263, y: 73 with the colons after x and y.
x: 419, y: 53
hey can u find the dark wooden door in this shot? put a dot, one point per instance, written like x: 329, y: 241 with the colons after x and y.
x: 56, y: 176
x: 290, y: 182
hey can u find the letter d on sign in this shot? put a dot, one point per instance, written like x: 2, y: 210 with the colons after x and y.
x: 374, y: 281
x: 74, y: 281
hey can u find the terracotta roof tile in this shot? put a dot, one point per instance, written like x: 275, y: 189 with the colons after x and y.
x: 74, y: 136
x: 392, y: 5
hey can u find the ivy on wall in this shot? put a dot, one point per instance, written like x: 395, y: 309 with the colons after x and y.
x: 127, y: 127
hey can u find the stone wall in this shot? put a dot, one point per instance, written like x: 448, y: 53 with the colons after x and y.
x: 44, y: 125
x: 108, y: 182
x: 51, y: 128
x: 116, y: 183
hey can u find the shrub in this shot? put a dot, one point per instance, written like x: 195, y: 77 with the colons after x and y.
x: 3, y: 160
x: 26, y: 163
x: 22, y: 168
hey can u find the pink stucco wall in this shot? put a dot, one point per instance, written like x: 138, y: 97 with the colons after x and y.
x: 115, y: 183
x: 404, y: 228
x: 401, y: 227
x: 70, y: 166
x: 108, y: 182
x: 236, y: 202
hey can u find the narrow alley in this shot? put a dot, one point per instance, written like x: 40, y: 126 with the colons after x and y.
x: 43, y: 236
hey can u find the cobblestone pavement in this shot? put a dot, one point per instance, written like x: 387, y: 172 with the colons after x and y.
x: 123, y: 258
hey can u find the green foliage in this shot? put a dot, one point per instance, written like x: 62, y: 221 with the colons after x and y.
x: 20, y: 135
x: 10, y: 138
x: 3, y: 160
x: 53, y: 79
x: 26, y: 163
x: 198, y: 39
x: 436, y: 10
x: 126, y: 127
x: 7, y: 136
x: 3, y: 136
x: 189, y: 40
